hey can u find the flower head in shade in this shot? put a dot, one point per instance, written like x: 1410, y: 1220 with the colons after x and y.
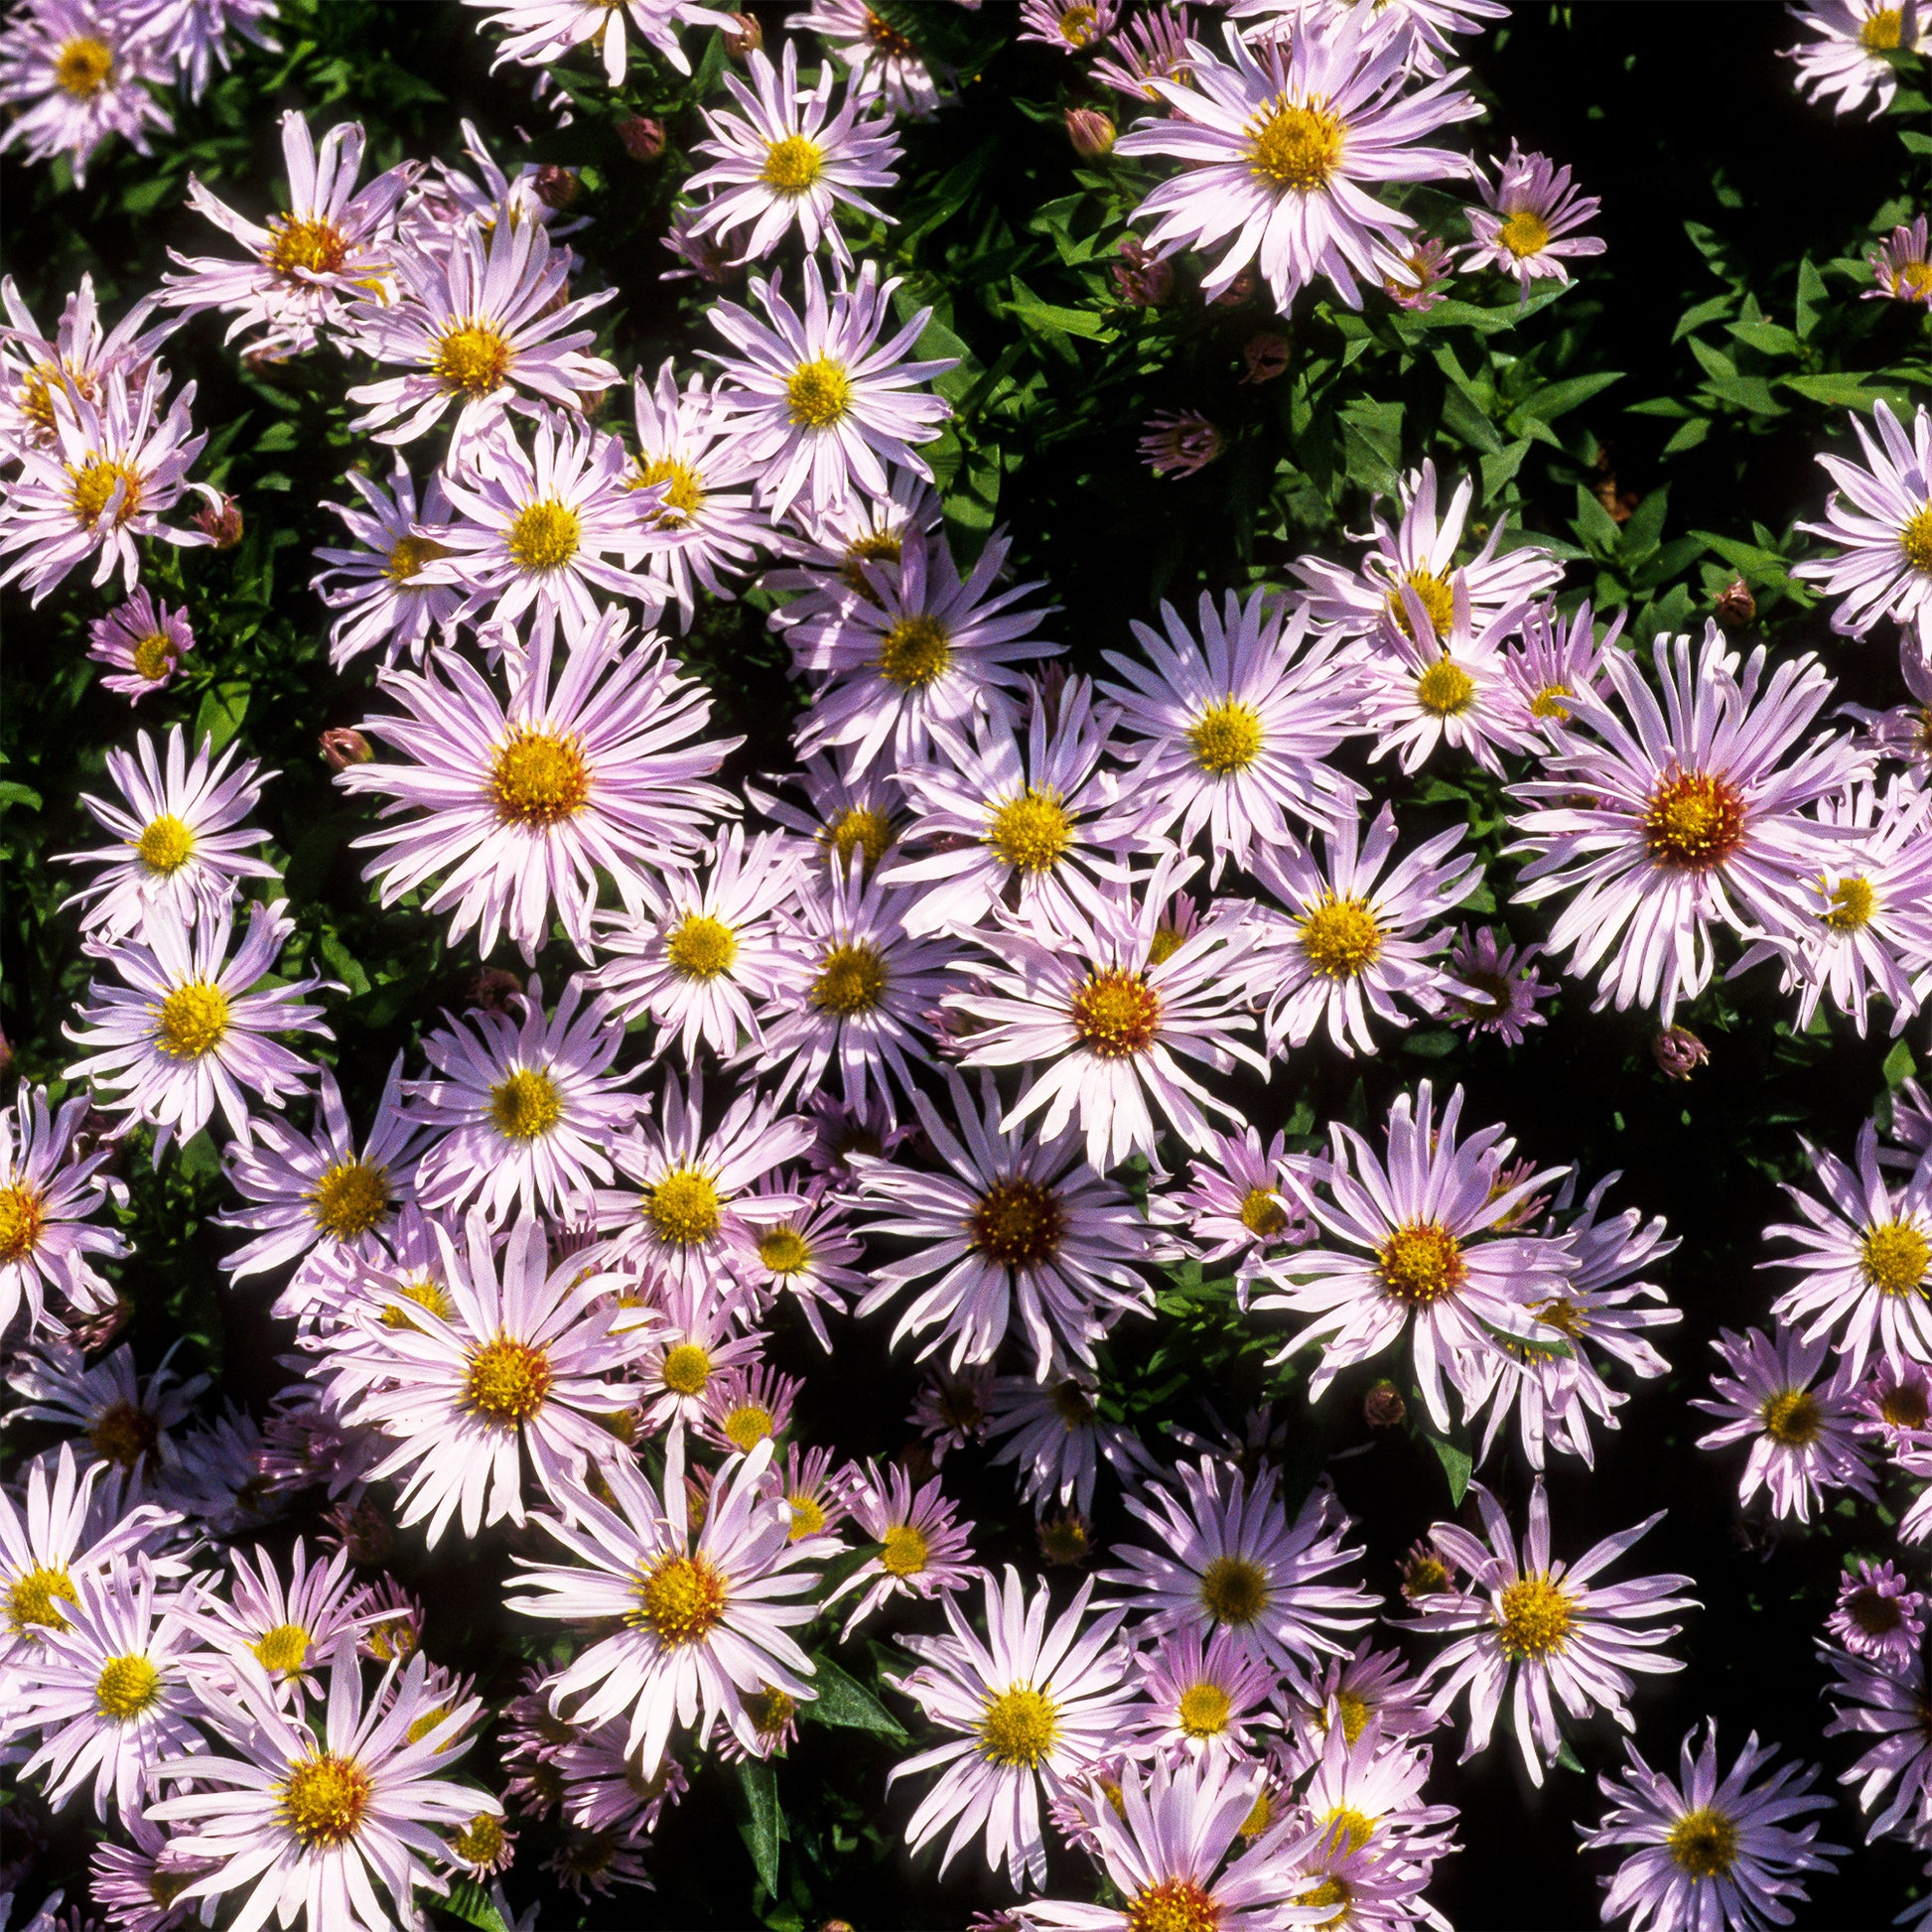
x: 123, y: 1419
x: 1542, y: 1633
x: 822, y: 402
x: 1844, y: 62
x: 1710, y: 1849
x: 1068, y: 26
x: 1885, y: 1704
x: 78, y: 357
x: 1204, y: 1694
x: 378, y: 589
x: 137, y: 1884
x: 1498, y: 986
x: 592, y: 765
x: 1179, y: 441
x: 1802, y: 1432
x: 317, y: 1814
x: 1527, y: 225
x: 882, y: 63
x: 1240, y: 1204
x: 922, y: 1550
x: 807, y: 1254
x: 76, y: 73
x: 1284, y: 148
x: 188, y: 1031
x: 539, y: 31
x: 143, y: 641
x: 1664, y: 822
x: 828, y: 546
x: 697, y: 1623
x: 1050, y: 1431
x: 1879, y: 1615
x: 1901, y: 264
x: 1027, y: 1705
x: 193, y: 35
x: 51, y: 1198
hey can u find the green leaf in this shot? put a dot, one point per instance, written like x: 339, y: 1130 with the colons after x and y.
x: 844, y: 1701
x: 471, y: 1903
x: 1371, y: 436
x: 1899, y: 1065
x: 1811, y: 296
x: 1556, y: 399
x: 1841, y: 391
x: 763, y: 1823
x: 1457, y: 1464
x: 225, y: 704
x: 12, y: 793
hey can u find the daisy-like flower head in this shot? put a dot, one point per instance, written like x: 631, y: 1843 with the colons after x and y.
x: 787, y: 159
x: 526, y: 1112
x: 845, y: 823
x: 1284, y: 145
x: 1203, y: 1695
x: 144, y: 641
x: 1557, y: 657
x: 1902, y: 265
x: 830, y: 545
x: 698, y: 1623
x: 1028, y: 1705
x: 51, y: 1195
x: 1498, y: 986
x: 1709, y: 1848
x: 1665, y: 819
x: 484, y: 322
x: 1239, y: 1204
x: 1053, y: 1433
x: 378, y: 589
x: 1418, y: 1247
x: 1845, y: 62
x: 922, y: 1548
x: 1541, y: 1632
x: 1349, y: 938
x: 687, y: 1336
x: 517, y: 1368
x: 1879, y: 1617
x: 1239, y: 727
x: 136, y: 1885
x: 747, y: 1405
x: 304, y: 266
x: 1526, y: 225
x: 315, y: 1814
x: 193, y: 34
x: 1150, y: 47
x: 1068, y: 26
x: 882, y: 63
x: 183, y: 1033
x: 1802, y: 1432
x: 125, y: 1420
x: 1887, y: 1703
x: 1349, y: 1694
x: 823, y: 403
x: 288, y: 1627
x: 1020, y: 1233
x: 539, y: 31
x: 78, y: 357
x: 807, y: 1254
x: 1365, y: 1794
x: 181, y: 839
x: 522, y: 802
x: 76, y: 73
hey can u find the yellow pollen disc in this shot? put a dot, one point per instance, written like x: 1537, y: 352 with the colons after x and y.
x: 1019, y: 1727
x: 1295, y: 147
x: 1437, y: 597
x: 481, y: 1842
x: 1915, y: 281
x: 1115, y: 1014
x: 1018, y: 1222
x: 1532, y: 1619
x: 23, y: 1214
x: 124, y: 1434
x: 1884, y: 32
x: 389, y: 1641
x: 807, y: 1517
x: 165, y: 845
x: 1203, y: 1710
x: 544, y: 536
x: 191, y: 1020
x: 1548, y: 703
x: 1853, y: 902
x: 1071, y: 1404
x: 506, y: 1382
x: 1226, y: 737
x: 408, y: 556
x: 94, y: 486
x: 783, y: 1250
x: 538, y: 778
x: 770, y: 1710
x: 1033, y: 831
x: 686, y: 1368
x: 859, y: 828
x: 792, y: 165
x: 125, y: 1688
x: 284, y: 1648
x: 701, y: 948
x: 1354, y: 1713
x: 525, y: 1105
x: 471, y: 360
x: 1563, y: 1315
x: 875, y: 547
x: 323, y: 1799
x: 1445, y: 689
x: 36, y: 1596
x: 1703, y: 1843
x: 1791, y: 1417
x: 1421, y: 1263
x: 1905, y: 1406
x: 420, y: 1726
x: 1915, y: 540
x: 1261, y: 1817
x: 1895, y: 1257
x: 351, y: 1198
x: 1234, y: 1591
x: 683, y: 1208
x: 682, y: 500
x: 1693, y: 822
x: 680, y: 1600
x: 747, y: 1426
x: 915, y: 652
x: 903, y: 1551
x: 84, y: 66
x: 1064, y: 1539
x: 1341, y: 937
x: 1347, y: 1828
x: 1262, y: 1213
x: 1078, y: 24
x: 425, y: 1294
x: 1425, y: 1576
x: 1166, y: 941
x: 851, y: 980
x: 313, y: 245
x: 818, y: 393
x: 1524, y: 233
x: 1173, y: 1905
x: 153, y: 656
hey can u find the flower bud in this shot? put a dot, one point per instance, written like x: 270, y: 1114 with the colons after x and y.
x: 1265, y: 356
x: 221, y: 526
x: 346, y: 745
x: 1679, y: 1052
x: 492, y: 989
x: 642, y: 136
x: 557, y: 186
x: 744, y: 37
x: 1384, y: 1408
x: 1090, y: 131
x: 1737, y: 606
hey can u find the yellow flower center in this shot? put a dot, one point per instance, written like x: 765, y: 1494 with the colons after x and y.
x: 683, y: 1207
x: 1298, y: 147
x: 1019, y: 1727
x: 36, y: 1596
x: 792, y: 164
x: 425, y: 1294
x: 682, y: 500
x: 1693, y: 822
x: 1354, y: 1713
x: 1226, y: 737
x: 783, y: 1250
x: 859, y: 828
x: 538, y: 778
x: 1791, y: 1417
x: 1445, y: 689
x: 1895, y: 1257
x: 84, y: 66
x: 903, y: 1551
x: 915, y: 652
x: 472, y: 359
x: 1033, y: 831
x: 680, y: 1600
x: 408, y: 556
x: 506, y: 1382
x: 701, y: 948
x: 1346, y: 1830
x: 94, y: 486
x: 123, y: 1434
x: 324, y: 1801
x: 481, y: 1842
x: 1421, y: 1263
x: 351, y: 1198
x: 1203, y: 1710
x: 1341, y: 937
x: 1704, y: 1841
x: 1533, y: 1619
x: 1115, y: 1013
x: 1260, y: 1817
x: 191, y: 1020
x: 525, y: 1105
x: 153, y: 656
x: 1915, y: 281
x: 770, y: 1710
x: 316, y: 246
x: 807, y: 1517
x: 875, y: 547
x: 284, y: 1648
x: 1018, y: 1222
x: 165, y: 845
x: 1078, y: 24
x: 1234, y: 1590
x: 1882, y: 32
x: 851, y: 980
x: 747, y: 1426
x: 1437, y: 597
x: 1173, y: 1905
x: 23, y: 1214
x: 1524, y: 233
x: 1262, y: 1213
x: 818, y: 393
x: 1853, y: 902
x: 125, y: 1688
x: 686, y: 1369
x: 1548, y: 703
x: 544, y: 536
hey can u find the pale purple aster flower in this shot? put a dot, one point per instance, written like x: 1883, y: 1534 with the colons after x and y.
x: 1239, y: 727
x: 442, y: 206
x: 882, y: 63
x: 745, y: 1407
x: 314, y: 1816
x: 136, y: 1885
x: 848, y: 822
x: 1710, y: 1851
x: 1150, y: 47
x: 1420, y: 1251
x: 1895, y: 1405
x: 1526, y: 225
x: 1555, y: 657
x: 1025, y: 1239
x: 539, y: 31
x: 601, y: 1791
x: 1879, y: 1617
x: 193, y: 34
x: 51, y: 1195
x: 181, y: 839
x: 1203, y: 1695
x: 1423, y: 26
x: 378, y: 589
x: 702, y: 257
x: 1068, y: 26
x: 1540, y: 1633
x: 125, y: 1420
x: 522, y: 802
x: 828, y: 546
x: 1844, y: 62
x: 1243, y: 1203
x: 1419, y: 278
x: 1887, y: 1703
x: 687, y: 1332
x: 824, y: 404
x: 924, y: 1552
x: 1349, y: 1694
x: 950, y: 1411
x: 808, y: 1253
x: 1499, y: 985
x: 696, y: 1624
x: 287, y: 1627
x: 1284, y: 145
x: 1345, y: 936
x: 144, y: 641
x: 1665, y: 822
x: 188, y: 1031
x: 1802, y: 1432
x: 1902, y: 731
x: 309, y: 259
x: 1370, y: 1789
x: 78, y: 72
x: 1179, y: 442
x: 521, y: 1112
x: 1052, y: 1433
x: 78, y: 357
x: 1902, y: 265
x: 1027, y: 1706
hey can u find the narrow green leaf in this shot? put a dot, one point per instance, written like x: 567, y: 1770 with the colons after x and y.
x: 762, y: 1825
x: 223, y: 706
x: 844, y: 1701
x: 1899, y: 1065
x: 1458, y: 1466
x: 471, y: 1903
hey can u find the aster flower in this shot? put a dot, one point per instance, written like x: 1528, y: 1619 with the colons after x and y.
x: 690, y: 1333
x: 539, y: 31
x: 1901, y: 264
x: 1711, y: 1850
x: 1844, y: 62
x: 844, y: 821
x: 136, y: 1884
x: 1050, y: 1431
x: 1150, y: 46
x: 125, y: 1418
x: 1498, y: 986
x: 193, y: 34
x: 77, y: 73
x: 79, y: 356
x: 698, y: 1623
x: 745, y: 1407
x: 1286, y: 146
x: 144, y: 641
x: 882, y: 64
x: 1887, y: 1705
x: 1068, y: 26
x: 1029, y: 1705
x: 1179, y: 441
x: 1367, y: 1793
x: 1243, y: 1203
x: 1693, y: 816
x: 181, y: 839
x: 1526, y: 225
x: 922, y: 1550
x: 1801, y: 1432
x: 823, y: 404
x: 521, y: 803
x: 290, y: 1627
x: 51, y: 1195
x: 1238, y: 728
x: 827, y: 547
x: 1203, y: 1695
x: 379, y: 588
x: 1555, y: 657
x: 1421, y: 277
x: 185, y: 1033
x: 1879, y: 1617
x: 1425, y: 28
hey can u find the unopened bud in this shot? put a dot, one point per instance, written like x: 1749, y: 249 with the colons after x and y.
x: 494, y: 989
x: 346, y: 745
x: 642, y: 136
x: 1239, y: 291
x: 1679, y: 1052
x: 1736, y: 605
x: 1384, y: 1408
x: 220, y: 525
x: 1090, y: 131
x: 557, y: 186
x: 1265, y: 356
x: 744, y: 37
